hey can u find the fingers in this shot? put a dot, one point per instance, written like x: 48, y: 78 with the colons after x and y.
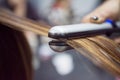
x: 105, y: 11
x: 91, y: 18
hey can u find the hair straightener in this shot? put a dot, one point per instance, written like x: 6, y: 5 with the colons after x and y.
x: 80, y: 31
x: 83, y: 30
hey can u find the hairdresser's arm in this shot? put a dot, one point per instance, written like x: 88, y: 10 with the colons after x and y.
x: 110, y: 9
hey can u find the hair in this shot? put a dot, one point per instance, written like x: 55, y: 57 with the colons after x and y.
x: 15, y: 53
x: 102, y: 51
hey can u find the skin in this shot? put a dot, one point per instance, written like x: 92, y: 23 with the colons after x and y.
x: 110, y: 9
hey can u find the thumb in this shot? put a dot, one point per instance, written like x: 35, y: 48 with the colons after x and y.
x: 108, y: 10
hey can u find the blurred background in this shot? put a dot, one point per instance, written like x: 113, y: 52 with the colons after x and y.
x: 47, y: 64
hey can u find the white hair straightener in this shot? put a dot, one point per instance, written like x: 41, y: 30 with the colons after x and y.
x: 80, y: 31
x: 83, y: 30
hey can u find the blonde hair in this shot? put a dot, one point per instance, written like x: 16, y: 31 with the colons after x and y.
x: 102, y: 51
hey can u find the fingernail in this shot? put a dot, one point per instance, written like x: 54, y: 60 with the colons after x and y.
x: 96, y: 19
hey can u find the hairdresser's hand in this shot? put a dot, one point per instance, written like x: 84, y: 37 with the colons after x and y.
x: 108, y: 10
